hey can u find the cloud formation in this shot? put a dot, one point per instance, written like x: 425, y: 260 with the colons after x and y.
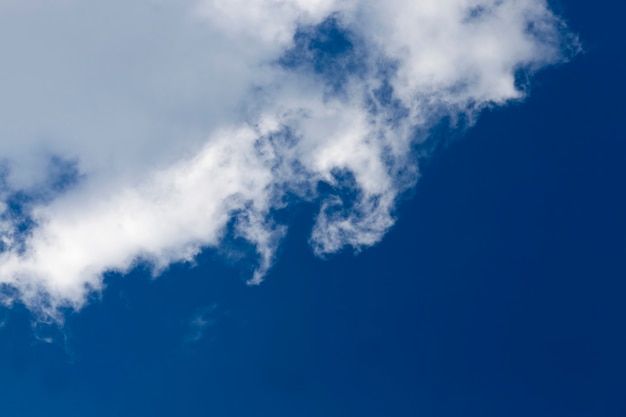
x: 148, y: 130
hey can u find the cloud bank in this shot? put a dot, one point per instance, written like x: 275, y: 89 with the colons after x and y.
x: 147, y: 130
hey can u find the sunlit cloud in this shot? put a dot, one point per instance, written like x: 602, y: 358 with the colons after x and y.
x: 149, y: 130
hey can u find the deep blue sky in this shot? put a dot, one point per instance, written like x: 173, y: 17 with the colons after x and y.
x: 499, y: 292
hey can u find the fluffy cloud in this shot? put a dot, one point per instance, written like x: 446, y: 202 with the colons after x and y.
x: 147, y: 130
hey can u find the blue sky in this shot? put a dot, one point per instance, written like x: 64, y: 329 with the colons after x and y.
x: 496, y: 289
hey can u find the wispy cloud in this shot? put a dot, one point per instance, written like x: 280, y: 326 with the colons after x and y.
x: 203, y: 319
x: 176, y: 123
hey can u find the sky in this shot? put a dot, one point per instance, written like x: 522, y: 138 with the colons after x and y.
x: 312, y: 208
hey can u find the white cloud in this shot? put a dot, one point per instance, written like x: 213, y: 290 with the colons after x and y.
x: 183, y: 116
